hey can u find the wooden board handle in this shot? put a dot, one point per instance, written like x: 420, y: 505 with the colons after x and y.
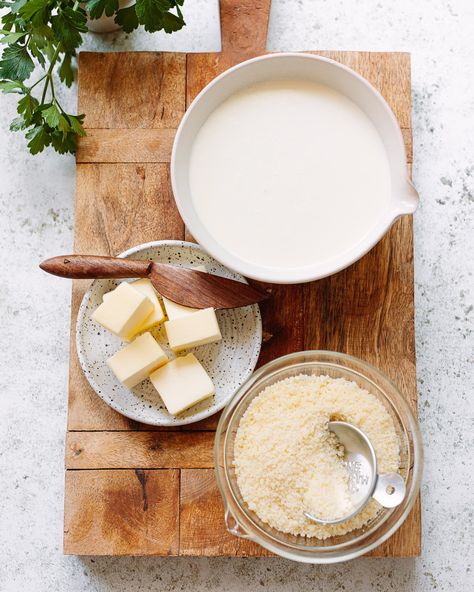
x: 88, y: 267
x: 244, y: 25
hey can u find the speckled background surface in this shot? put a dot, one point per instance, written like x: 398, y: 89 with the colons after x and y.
x: 36, y: 205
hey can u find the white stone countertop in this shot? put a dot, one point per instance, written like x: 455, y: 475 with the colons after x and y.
x: 36, y: 205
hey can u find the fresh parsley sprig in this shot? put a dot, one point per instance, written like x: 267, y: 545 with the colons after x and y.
x: 49, y: 32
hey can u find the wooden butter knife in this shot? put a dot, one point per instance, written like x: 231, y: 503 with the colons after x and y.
x: 185, y: 286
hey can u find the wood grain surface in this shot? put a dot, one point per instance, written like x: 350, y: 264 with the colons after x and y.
x: 80, y: 267
x: 133, y: 512
x: 202, y: 529
x: 133, y: 489
x: 147, y: 450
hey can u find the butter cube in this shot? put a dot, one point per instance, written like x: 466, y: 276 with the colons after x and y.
x: 145, y: 286
x: 123, y: 311
x: 182, y: 383
x: 157, y: 316
x: 174, y: 310
x: 194, y: 329
x: 136, y: 361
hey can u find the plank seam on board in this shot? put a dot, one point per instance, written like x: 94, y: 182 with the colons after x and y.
x: 156, y: 431
x: 170, y: 467
x: 131, y: 130
x: 120, y: 145
x: 133, y: 468
x: 179, y: 511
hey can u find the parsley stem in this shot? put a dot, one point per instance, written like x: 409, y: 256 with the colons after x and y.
x: 49, y: 74
x: 45, y: 88
x: 37, y: 82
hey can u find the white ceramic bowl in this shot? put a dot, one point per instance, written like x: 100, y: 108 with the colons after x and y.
x: 300, y: 66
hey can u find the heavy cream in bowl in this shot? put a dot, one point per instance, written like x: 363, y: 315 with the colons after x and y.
x: 290, y: 167
x: 286, y: 172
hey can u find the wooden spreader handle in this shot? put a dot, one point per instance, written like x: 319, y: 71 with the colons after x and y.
x: 90, y: 267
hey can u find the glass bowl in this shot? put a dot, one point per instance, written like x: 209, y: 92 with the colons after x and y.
x: 244, y: 523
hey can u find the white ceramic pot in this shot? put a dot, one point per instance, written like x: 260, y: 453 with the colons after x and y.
x: 299, y: 66
x: 106, y: 24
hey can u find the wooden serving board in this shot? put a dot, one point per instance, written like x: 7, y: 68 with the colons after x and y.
x: 136, y: 490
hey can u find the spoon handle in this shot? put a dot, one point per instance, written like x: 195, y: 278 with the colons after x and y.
x: 95, y: 267
x: 389, y: 490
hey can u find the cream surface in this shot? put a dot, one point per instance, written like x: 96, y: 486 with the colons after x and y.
x: 289, y: 173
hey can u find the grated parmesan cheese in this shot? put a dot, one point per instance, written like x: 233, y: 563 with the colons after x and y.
x: 287, y: 461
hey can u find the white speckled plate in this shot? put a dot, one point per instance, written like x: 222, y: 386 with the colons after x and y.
x: 229, y: 362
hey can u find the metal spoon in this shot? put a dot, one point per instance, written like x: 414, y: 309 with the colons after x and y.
x: 364, y: 481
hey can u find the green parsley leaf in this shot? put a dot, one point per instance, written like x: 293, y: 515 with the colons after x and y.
x: 13, y: 37
x: 51, y: 115
x: 63, y: 125
x: 172, y: 23
x: 76, y: 122
x: 68, y: 25
x: 36, y: 53
x: 41, y: 36
x: 16, y: 63
x: 39, y: 139
x: 154, y: 15
x: 50, y: 50
x: 17, y: 5
x: 96, y: 8
x: 127, y: 18
x: 149, y: 14
x: 66, y: 73
x: 8, y: 20
x: 17, y: 124
x: 27, y: 107
x: 12, y: 86
x: 63, y: 143
x: 31, y: 7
